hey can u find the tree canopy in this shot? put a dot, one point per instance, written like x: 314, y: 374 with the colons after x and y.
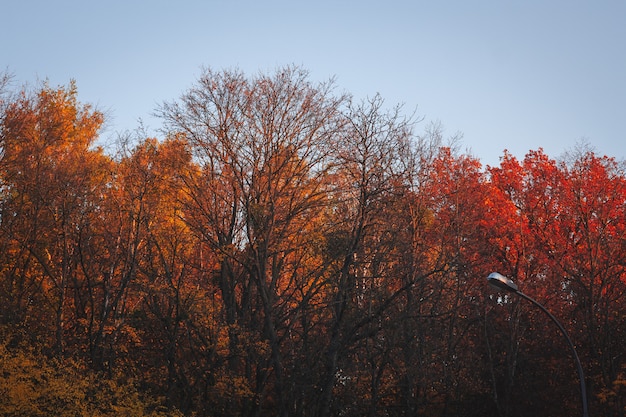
x: 286, y: 250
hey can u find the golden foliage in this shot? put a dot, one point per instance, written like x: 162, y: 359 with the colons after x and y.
x: 32, y: 385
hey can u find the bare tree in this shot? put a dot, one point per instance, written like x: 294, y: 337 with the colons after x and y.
x: 262, y: 146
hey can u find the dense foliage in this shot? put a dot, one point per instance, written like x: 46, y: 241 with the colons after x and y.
x: 283, y: 250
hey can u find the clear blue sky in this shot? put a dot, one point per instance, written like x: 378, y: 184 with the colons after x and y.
x: 505, y: 74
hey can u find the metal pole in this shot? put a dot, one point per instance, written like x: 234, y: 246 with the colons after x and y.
x: 581, y: 376
x: 500, y: 281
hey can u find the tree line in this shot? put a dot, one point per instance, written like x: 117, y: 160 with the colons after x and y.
x: 286, y: 250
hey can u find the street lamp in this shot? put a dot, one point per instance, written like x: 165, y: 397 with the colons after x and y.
x: 501, y: 282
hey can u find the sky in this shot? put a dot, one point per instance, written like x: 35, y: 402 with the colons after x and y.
x: 503, y: 74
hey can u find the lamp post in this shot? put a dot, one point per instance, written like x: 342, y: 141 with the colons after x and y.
x: 500, y: 281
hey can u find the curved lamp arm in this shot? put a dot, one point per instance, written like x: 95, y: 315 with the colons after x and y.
x: 500, y: 281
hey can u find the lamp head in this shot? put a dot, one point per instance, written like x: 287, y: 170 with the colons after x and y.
x: 501, y: 282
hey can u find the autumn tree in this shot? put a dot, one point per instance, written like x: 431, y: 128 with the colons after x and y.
x: 523, y: 205
x: 457, y: 193
x: 171, y: 312
x: 566, y: 215
x: 50, y: 172
x: 587, y: 248
x: 369, y: 274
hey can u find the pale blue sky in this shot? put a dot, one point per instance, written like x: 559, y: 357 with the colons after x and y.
x: 505, y: 74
